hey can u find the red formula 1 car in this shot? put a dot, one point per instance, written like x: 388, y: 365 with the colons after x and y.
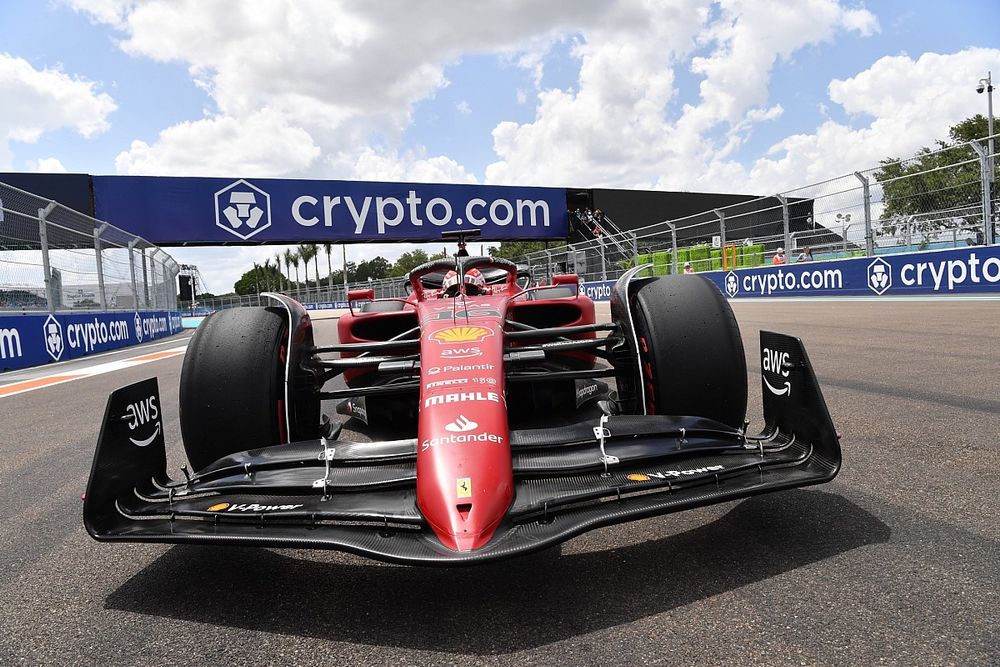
x: 501, y: 420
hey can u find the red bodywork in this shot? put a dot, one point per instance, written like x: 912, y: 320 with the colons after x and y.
x: 464, y: 473
x: 464, y: 478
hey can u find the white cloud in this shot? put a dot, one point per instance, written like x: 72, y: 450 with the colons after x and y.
x: 39, y: 101
x: 261, y: 144
x: 47, y: 165
x: 463, y: 108
x: 343, y: 72
x: 908, y: 104
x: 615, y: 129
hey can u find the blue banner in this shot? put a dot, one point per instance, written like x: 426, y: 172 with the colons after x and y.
x: 173, y: 211
x: 973, y: 270
x: 36, y: 339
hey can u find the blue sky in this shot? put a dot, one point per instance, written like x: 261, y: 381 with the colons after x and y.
x: 585, y: 93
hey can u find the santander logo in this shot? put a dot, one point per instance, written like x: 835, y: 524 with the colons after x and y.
x: 461, y: 425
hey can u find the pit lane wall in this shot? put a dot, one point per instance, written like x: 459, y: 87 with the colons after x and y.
x: 972, y: 270
x: 38, y: 339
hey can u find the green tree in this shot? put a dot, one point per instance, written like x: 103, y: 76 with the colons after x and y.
x: 375, y: 268
x: 256, y: 279
x: 516, y: 249
x: 934, y: 190
x: 407, y: 261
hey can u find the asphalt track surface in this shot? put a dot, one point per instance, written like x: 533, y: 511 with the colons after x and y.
x: 895, y: 562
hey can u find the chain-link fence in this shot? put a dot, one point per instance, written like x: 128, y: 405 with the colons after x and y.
x: 53, y: 258
x: 934, y: 200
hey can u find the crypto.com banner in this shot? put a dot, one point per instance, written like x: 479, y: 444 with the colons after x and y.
x: 965, y: 271
x: 973, y: 270
x: 33, y: 340
x: 173, y: 211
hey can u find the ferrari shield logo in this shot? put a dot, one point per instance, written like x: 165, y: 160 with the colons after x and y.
x: 464, y: 485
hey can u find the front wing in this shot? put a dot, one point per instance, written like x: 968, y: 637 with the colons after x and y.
x: 361, y: 497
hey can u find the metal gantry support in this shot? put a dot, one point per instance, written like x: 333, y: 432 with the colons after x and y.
x: 786, y: 223
x: 867, y: 194
x: 984, y: 171
x: 131, y: 271
x: 101, y: 293
x: 43, y: 238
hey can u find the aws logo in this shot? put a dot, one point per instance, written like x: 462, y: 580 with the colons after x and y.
x: 141, y: 413
x: 777, y: 362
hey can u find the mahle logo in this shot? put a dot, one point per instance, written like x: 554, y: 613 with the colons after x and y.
x: 242, y: 209
x: 53, y: 333
x: 732, y: 284
x: 879, y: 276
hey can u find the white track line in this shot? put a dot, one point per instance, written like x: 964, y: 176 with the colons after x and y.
x: 52, y: 379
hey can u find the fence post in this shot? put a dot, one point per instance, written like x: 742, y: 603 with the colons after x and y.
x: 867, y: 194
x: 604, y: 261
x: 131, y: 272
x: 722, y: 231
x: 783, y: 200
x: 101, y: 294
x: 984, y: 177
x: 635, y: 250
x: 43, y: 239
x: 673, y: 245
x: 145, y: 280
x: 548, y: 264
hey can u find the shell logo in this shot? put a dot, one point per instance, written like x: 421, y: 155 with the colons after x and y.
x: 218, y: 507
x: 461, y: 334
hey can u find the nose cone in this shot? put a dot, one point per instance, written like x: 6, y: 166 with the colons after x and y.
x: 465, y: 513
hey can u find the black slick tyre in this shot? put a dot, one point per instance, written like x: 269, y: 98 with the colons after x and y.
x: 690, y: 350
x: 232, y: 384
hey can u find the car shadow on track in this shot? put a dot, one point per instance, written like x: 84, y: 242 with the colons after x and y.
x: 503, y: 607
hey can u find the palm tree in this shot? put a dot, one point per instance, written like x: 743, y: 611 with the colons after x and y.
x: 305, y: 257
x: 277, y: 265
x: 328, y: 247
x: 294, y: 259
x: 288, y: 265
x: 314, y: 251
x: 266, y: 267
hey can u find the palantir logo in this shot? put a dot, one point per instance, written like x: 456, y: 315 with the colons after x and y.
x: 53, y: 333
x: 138, y: 327
x: 879, y: 276
x: 242, y: 209
x: 732, y: 284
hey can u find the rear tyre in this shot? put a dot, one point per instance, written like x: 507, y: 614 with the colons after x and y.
x: 690, y: 349
x: 232, y: 388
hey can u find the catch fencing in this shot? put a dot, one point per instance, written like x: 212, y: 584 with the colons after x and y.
x: 55, y: 259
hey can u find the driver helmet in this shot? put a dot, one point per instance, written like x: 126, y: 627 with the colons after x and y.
x: 474, y: 278
x: 450, y: 280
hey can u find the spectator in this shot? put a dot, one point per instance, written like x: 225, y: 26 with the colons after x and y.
x: 805, y: 256
x: 687, y: 268
x: 779, y: 257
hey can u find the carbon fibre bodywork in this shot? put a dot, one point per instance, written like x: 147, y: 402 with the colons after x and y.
x: 363, y: 497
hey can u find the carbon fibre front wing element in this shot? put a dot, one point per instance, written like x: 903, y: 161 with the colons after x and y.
x: 361, y: 497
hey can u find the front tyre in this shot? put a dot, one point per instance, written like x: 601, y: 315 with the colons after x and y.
x: 690, y: 350
x: 232, y: 388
